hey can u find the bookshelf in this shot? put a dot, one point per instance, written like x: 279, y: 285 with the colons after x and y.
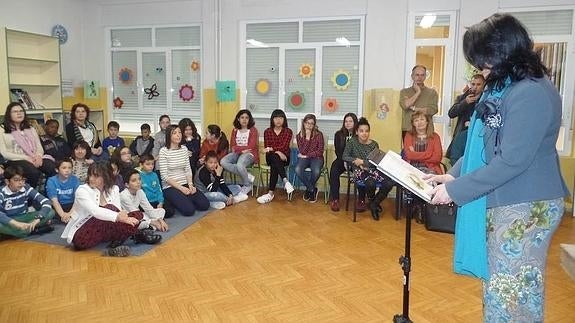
x: 31, y: 62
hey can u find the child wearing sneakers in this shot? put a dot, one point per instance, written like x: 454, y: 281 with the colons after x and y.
x: 151, y: 184
x: 61, y: 188
x: 209, y: 181
x: 244, y: 144
x: 15, y: 198
x: 133, y: 198
x: 277, y: 139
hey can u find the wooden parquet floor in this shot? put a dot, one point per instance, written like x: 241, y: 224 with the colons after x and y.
x: 282, y: 262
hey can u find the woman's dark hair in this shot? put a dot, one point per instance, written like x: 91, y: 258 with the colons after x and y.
x: 169, y: 130
x: 104, y: 170
x: 251, y: 121
x: 354, y: 117
x: 7, y: 123
x: 223, y: 143
x: 82, y: 144
x: 187, y: 122
x: 502, y: 42
x: 129, y: 174
x: 363, y: 122
x: 75, y: 107
x: 117, y: 154
x: 278, y: 113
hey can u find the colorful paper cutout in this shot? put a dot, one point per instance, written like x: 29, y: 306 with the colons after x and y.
x: 341, y: 80
x: 330, y: 104
x: 195, y: 65
x: 186, y: 92
x: 152, y: 91
x: 296, y: 100
x: 226, y: 91
x: 263, y: 86
x: 306, y: 71
x: 125, y: 75
x: 118, y: 103
x: 91, y: 89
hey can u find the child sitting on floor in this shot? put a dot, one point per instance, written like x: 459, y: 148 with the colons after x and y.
x: 61, y: 188
x: 152, y: 186
x: 53, y: 143
x: 113, y: 141
x: 209, y: 181
x: 134, y: 199
x: 81, y: 160
x: 15, y: 199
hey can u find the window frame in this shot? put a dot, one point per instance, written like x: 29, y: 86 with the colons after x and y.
x: 116, y: 114
x: 318, y: 68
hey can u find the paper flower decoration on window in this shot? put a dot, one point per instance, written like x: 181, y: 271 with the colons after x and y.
x: 296, y: 100
x: 330, y: 105
x: 152, y: 91
x: 195, y: 65
x: 186, y: 92
x: 341, y: 80
x: 118, y: 103
x: 306, y: 71
x: 125, y: 75
x: 263, y: 86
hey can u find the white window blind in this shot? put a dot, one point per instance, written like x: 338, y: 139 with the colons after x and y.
x: 294, y: 82
x: 139, y: 37
x: 159, y: 66
x: 280, y: 32
x: 125, y: 62
x: 154, y: 76
x: 345, y: 59
x: 178, y: 36
x: 330, y: 30
x: 542, y: 23
x: 262, y: 64
x: 182, y: 74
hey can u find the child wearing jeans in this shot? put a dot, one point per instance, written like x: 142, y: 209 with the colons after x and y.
x: 134, y: 199
x: 61, y: 188
x: 209, y: 181
x: 152, y: 186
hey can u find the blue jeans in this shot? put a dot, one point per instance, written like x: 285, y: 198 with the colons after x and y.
x: 219, y: 196
x: 315, y: 164
x: 237, y: 164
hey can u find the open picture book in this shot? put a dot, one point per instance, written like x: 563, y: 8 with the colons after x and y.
x: 402, y: 172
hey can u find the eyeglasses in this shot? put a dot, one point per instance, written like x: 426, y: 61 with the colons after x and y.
x: 311, y: 123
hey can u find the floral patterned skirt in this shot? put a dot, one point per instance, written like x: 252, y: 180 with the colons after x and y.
x: 518, y: 238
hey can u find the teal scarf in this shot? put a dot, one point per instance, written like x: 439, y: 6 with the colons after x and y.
x: 470, y: 254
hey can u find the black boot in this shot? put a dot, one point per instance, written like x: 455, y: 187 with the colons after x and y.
x: 375, y: 209
x: 147, y: 236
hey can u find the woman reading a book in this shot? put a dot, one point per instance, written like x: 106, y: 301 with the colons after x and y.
x: 422, y: 146
x: 81, y: 128
x: 20, y: 145
x: 508, y: 184
x: 355, y: 154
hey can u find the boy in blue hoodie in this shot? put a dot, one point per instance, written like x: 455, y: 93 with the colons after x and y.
x: 151, y: 184
x: 15, y: 198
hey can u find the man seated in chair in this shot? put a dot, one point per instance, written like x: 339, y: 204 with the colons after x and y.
x: 355, y: 154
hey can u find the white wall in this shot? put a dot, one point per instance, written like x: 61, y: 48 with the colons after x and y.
x: 39, y: 16
x: 83, y: 57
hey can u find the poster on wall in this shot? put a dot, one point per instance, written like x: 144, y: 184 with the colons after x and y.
x: 226, y: 91
x: 91, y: 89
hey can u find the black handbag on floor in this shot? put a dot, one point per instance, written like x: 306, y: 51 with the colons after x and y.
x: 440, y: 218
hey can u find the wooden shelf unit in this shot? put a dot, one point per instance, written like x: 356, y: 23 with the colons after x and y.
x: 31, y: 62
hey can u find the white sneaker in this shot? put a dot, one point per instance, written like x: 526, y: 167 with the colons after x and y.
x: 251, y: 178
x: 218, y: 205
x: 240, y: 198
x: 289, y: 187
x: 266, y: 198
x: 246, y: 189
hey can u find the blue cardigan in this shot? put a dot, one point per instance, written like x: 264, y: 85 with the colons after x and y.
x: 524, y: 166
